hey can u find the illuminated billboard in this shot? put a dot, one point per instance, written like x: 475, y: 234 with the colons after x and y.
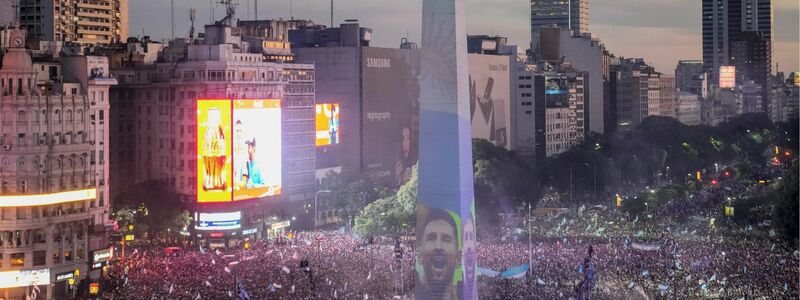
x: 213, y: 151
x: 327, y: 124
x: 257, y: 149
x: 727, y: 77
x: 10, y: 279
x: 218, y: 221
x: 238, y: 149
x: 47, y: 199
x: 556, y: 92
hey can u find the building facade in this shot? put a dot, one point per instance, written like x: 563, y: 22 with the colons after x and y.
x: 725, y: 21
x: 688, y: 109
x: 667, y: 94
x: 156, y: 126
x: 691, y: 77
x: 53, y: 168
x: 82, y: 22
x: 572, y: 15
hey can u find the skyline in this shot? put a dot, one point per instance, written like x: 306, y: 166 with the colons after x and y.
x: 634, y: 32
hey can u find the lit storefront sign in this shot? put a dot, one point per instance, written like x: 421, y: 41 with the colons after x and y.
x: 64, y: 276
x: 12, y: 279
x: 249, y: 231
x: 100, y: 258
x: 47, y: 199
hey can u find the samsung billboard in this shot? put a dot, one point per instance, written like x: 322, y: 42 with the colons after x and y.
x: 390, y: 112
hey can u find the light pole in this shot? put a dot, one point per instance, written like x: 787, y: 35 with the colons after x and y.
x: 315, y: 205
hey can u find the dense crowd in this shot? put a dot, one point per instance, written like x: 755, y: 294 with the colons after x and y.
x: 339, y: 267
x: 686, y: 266
x: 633, y: 257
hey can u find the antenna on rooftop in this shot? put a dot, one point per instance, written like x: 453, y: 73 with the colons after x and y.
x: 192, y: 14
x: 172, y: 18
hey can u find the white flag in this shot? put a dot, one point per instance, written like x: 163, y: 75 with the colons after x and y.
x: 285, y: 269
x: 227, y: 270
x: 366, y: 296
x: 277, y: 286
x: 171, y: 288
x: 334, y: 294
x: 217, y: 252
x: 208, y: 283
x: 369, y: 275
x: 197, y: 297
x: 230, y: 294
x: 213, y: 262
x: 293, y: 289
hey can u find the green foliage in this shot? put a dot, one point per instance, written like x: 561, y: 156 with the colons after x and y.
x: 352, y: 191
x: 502, y: 179
x: 390, y: 216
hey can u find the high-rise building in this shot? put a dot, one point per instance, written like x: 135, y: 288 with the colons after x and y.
x: 690, y: 77
x: 586, y: 54
x: 156, y: 118
x: 634, y: 87
x: 568, y: 14
x: 376, y: 91
x: 724, y: 21
x: 53, y: 168
x: 82, y: 22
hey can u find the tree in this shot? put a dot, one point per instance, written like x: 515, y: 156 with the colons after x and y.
x: 350, y: 192
x: 393, y: 215
x: 502, y: 181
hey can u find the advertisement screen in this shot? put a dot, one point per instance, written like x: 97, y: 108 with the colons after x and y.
x: 390, y: 113
x: 257, y: 149
x: 10, y: 279
x: 213, y: 151
x: 238, y: 149
x: 490, y: 94
x: 219, y: 221
x: 556, y: 91
x: 727, y: 77
x: 327, y: 120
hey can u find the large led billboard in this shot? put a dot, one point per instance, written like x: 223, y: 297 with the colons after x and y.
x: 556, y: 91
x: 238, y: 149
x: 490, y: 98
x: 727, y: 77
x: 327, y: 124
x: 218, y: 221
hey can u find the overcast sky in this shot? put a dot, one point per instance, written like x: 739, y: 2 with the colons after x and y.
x: 661, y: 31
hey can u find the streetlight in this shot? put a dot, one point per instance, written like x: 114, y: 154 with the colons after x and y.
x: 315, y: 205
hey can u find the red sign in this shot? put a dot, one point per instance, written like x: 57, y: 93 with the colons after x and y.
x: 217, y: 234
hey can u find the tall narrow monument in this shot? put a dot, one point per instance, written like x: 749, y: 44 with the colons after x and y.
x: 446, y: 253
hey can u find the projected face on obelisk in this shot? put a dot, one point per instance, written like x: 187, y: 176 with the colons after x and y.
x: 439, y: 254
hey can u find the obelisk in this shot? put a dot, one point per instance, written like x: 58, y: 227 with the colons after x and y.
x: 446, y: 254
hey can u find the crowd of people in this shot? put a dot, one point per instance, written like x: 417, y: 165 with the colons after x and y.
x: 342, y: 267
x: 339, y: 267
x: 631, y: 257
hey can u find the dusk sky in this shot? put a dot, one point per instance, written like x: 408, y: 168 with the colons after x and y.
x: 662, y: 31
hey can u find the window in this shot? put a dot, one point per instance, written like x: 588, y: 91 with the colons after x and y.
x: 68, y: 116
x: 39, y: 258
x: 18, y: 259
